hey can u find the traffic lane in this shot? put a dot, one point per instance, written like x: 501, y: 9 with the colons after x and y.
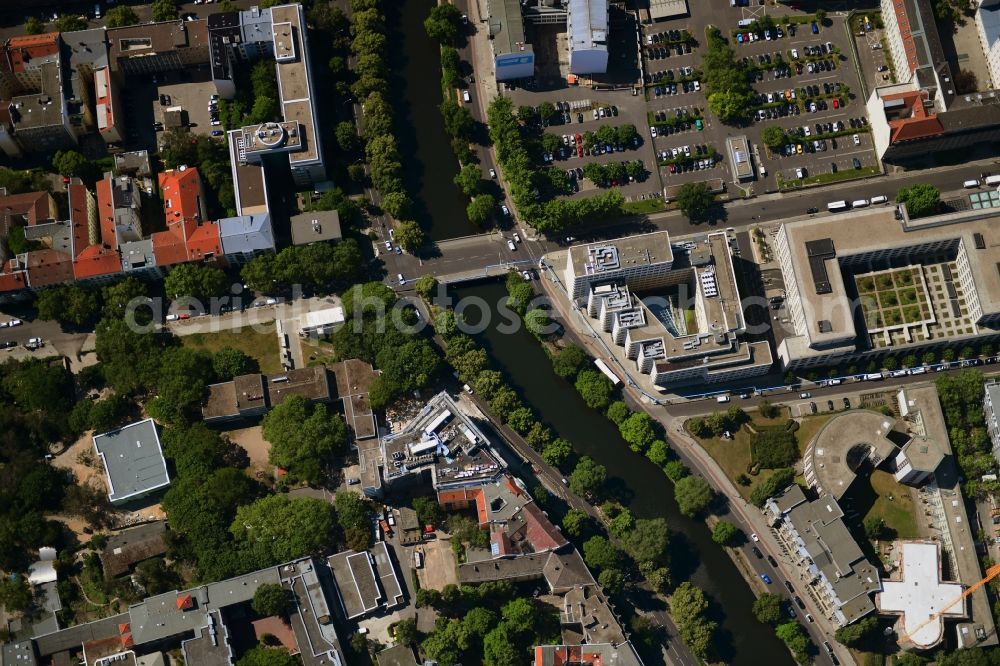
x: 780, y: 585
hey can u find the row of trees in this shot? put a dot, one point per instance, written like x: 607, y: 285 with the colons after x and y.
x: 729, y: 93
x: 608, y: 135
x: 369, y: 44
x: 961, y: 398
x: 321, y: 266
x: 768, y: 609
x: 610, y: 173
x: 525, y: 183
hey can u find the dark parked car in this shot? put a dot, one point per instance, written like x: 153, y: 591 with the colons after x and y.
x: 756, y: 551
x: 789, y: 587
x: 847, y: 403
x: 772, y: 561
x: 798, y: 602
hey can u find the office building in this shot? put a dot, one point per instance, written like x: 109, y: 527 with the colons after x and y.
x: 739, y: 157
x: 991, y: 405
x: 587, y: 655
x: 643, y: 261
x: 915, y: 46
x: 133, y: 461
x: 865, y: 284
x: 988, y: 26
x: 687, y: 327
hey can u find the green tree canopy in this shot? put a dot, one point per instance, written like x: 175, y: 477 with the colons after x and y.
x: 638, y: 431
x: 599, y: 553
x: 588, y: 477
x: 857, y: 633
x: 426, y: 286
x: 693, y: 494
x: 283, y: 528
x: 774, y: 137
x: 443, y: 23
x: 724, y: 533
x: 694, y: 200
x: 594, y: 388
x: 230, y: 362
x: 480, y: 209
x: 69, y: 304
x: 569, y: 361
x: 271, y: 599
x: 120, y: 16
x: 410, y: 236
x: 265, y: 656
x: 767, y: 608
x: 164, y: 10
x: 196, y: 281
x: 302, y: 437
x: 921, y: 199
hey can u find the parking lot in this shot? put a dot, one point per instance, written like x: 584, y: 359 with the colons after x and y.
x: 189, y: 89
x: 810, y: 88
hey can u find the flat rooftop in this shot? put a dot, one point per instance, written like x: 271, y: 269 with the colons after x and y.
x: 248, y: 179
x: 930, y: 444
x: 593, y: 259
x: 366, y: 581
x: 844, y: 442
x: 133, y: 460
x: 507, y: 27
x: 316, y: 226
x: 919, y: 594
x: 293, y: 77
x: 818, y: 246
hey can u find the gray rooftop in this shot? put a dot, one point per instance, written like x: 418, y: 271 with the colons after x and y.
x: 133, y: 460
x: 507, y: 27
x: 366, y: 581
x: 929, y: 444
x: 246, y: 234
x: 855, y: 430
x: 315, y: 226
x: 397, y: 655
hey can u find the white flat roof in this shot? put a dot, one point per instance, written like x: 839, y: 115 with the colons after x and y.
x: 323, y: 318
x: 921, y: 594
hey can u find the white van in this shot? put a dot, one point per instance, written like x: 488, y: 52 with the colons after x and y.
x: 722, y: 398
x: 743, y: 23
x: 880, y: 199
x: 466, y: 97
x: 860, y: 203
x: 992, y: 180
x: 763, y: 171
x: 970, y: 184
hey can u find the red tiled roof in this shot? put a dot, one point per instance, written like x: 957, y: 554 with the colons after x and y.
x: 909, y: 47
x: 185, y: 602
x: 78, y: 216
x: 20, y: 50
x: 914, y: 128
x: 541, y: 534
x: 96, y: 260
x: 204, y: 239
x: 13, y: 281
x: 181, y: 194
x: 48, y: 267
x: 168, y: 248
x: 106, y: 212
x: 467, y: 496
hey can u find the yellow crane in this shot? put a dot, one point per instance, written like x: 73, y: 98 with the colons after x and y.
x: 991, y: 573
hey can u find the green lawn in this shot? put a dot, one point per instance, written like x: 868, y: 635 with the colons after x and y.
x: 733, y: 455
x: 897, y: 512
x: 261, y: 346
x: 644, y: 206
x: 841, y: 175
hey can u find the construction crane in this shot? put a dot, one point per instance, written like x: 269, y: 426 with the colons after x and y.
x: 991, y: 573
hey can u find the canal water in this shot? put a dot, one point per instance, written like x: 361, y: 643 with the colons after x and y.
x: 429, y: 165
x: 642, y: 485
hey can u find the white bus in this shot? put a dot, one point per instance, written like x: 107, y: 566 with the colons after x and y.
x: 992, y: 180
x: 837, y: 206
x: 603, y: 367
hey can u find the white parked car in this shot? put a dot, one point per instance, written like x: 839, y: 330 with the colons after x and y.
x: 15, y: 322
x: 399, y: 276
x: 517, y: 238
x: 172, y: 317
x: 511, y: 246
x: 857, y: 140
x: 493, y: 174
x: 506, y: 211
